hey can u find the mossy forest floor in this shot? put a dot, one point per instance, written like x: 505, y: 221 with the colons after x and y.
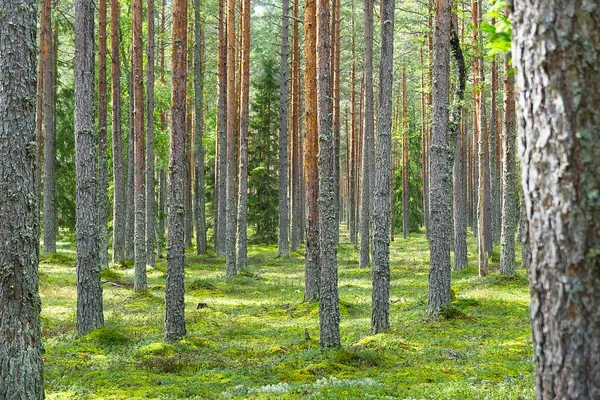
x: 252, y: 337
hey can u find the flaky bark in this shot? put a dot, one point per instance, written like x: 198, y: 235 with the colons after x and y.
x: 174, y: 292
x: 556, y: 64
x: 117, y: 140
x: 242, y: 212
x: 150, y: 187
x: 367, y: 162
x: 140, y: 283
x: 380, y: 305
x: 282, y: 243
x: 329, y: 312
x: 312, y: 265
x: 89, y: 288
x: 50, y: 227
x: 509, y: 206
x: 440, y: 194
x: 21, y: 349
x: 231, y: 189
x: 199, y: 190
x: 102, y: 196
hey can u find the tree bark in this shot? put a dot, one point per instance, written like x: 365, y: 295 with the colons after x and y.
x: 367, y: 163
x: 21, y: 349
x: 117, y: 139
x: 150, y: 186
x: 174, y: 292
x: 556, y: 69
x: 329, y: 312
x: 89, y: 288
x: 509, y: 206
x: 380, y: 306
x: 140, y: 283
x: 50, y: 227
x: 297, y: 214
x: 102, y: 196
x: 354, y: 150
x: 440, y: 194
x: 282, y: 244
x: 221, y: 159
x: 130, y: 223
x: 312, y: 264
x: 405, y: 177
x: 335, y: 93
x: 242, y: 212
x: 231, y: 209
x: 495, y: 196
x: 199, y: 190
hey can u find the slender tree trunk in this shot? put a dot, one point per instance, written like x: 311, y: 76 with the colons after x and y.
x: 102, y: 196
x: 130, y: 224
x: 89, y: 288
x: 482, y: 205
x: 282, y: 244
x: 230, y: 224
x: 50, y: 227
x: 381, y: 190
x: 353, y: 152
x: 150, y: 189
x: 556, y: 64
x: 117, y: 140
x: 440, y: 200
x: 509, y: 206
x: 140, y: 284
x: 495, y: 196
x: 221, y: 159
x: 367, y: 162
x: 199, y: 191
x: 21, y: 348
x: 312, y: 264
x: 475, y: 121
x: 297, y: 214
x: 335, y: 92
x: 329, y: 312
x: 174, y: 292
x: 405, y: 177
x: 242, y: 246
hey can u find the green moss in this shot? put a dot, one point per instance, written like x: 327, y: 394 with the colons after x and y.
x: 108, y: 336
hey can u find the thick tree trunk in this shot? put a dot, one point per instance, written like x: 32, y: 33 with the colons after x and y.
x: 39, y: 116
x: 50, y: 227
x: 509, y: 206
x: 102, y: 196
x: 140, y: 283
x: 556, y: 64
x: 367, y: 162
x: 21, y: 349
x: 242, y: 212
x: 312, y: 264
x: 440, y: 190
x: 150, y: 189
x: 117, y: 140
x: 89, y: 288
x: 282, y: 244
x: 199, y: 190
x: 231, y: 209
x: 221, y: 159
x: 174, y: 292
x: 380, y: 306
x: 329, y: 312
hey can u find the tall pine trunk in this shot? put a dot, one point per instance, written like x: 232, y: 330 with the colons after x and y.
x: 242, y: 212
x: 282, y: 244
x: 440, y: 190
x: 381, y: 190
x: 174, y: 292
x: 354, y: 151
x: 119, y: 206
x: 329, y: 311
x: 312, y: 264
x: 556, y: 64
x: 231, y: 194
x: 405, y: 176
x: 102, y: 196
x: 367, y: 162
x: 150, y: 187
x: 199, y: 190
x: 89, y: 287
x: 21, y: 349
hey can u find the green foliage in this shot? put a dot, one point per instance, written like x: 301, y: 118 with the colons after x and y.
x: 262, y: 153
x: 499, y: 34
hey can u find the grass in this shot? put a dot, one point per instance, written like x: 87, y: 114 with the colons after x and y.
x: 252, y: 337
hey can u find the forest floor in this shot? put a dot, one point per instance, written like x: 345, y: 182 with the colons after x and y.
x: 252, y: 337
